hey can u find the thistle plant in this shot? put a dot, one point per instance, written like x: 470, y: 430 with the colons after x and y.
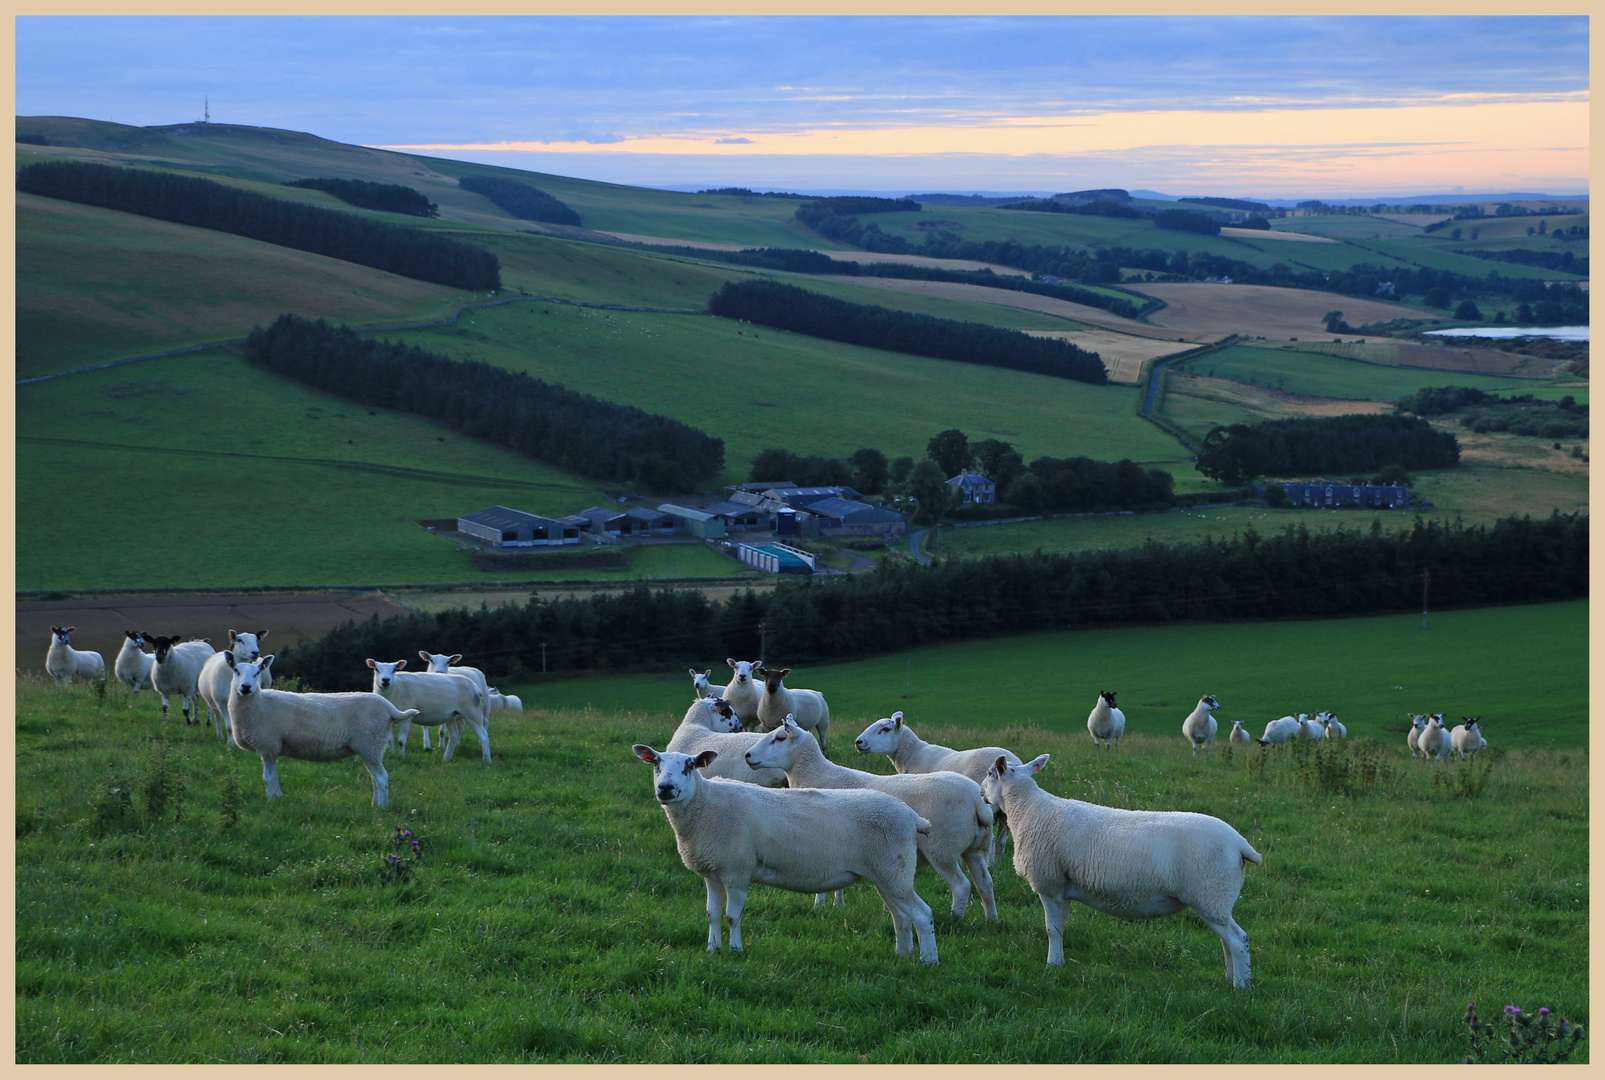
x: 396, y: 869
x: 1528, y: 1040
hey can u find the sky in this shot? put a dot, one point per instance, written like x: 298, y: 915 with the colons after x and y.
x: 1270, y: 107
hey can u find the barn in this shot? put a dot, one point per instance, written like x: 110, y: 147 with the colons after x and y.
x: 505, y: 527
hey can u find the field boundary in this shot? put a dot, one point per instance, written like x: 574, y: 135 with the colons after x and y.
x: 475, y: 586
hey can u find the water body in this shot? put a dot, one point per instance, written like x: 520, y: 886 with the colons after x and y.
x: 1559, y: 333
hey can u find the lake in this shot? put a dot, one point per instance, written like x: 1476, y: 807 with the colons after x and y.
x: 1559, y: 333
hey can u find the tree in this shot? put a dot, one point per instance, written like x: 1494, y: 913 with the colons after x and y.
x: 987, y: 453
x: 870, y: 470
x: 901, y: 467
x: 928, y: 485
x: 774, y: 464
x: 950, y: 450
x: 1025, y: 492
x: 1468, y: 311
x: 1393, y: 474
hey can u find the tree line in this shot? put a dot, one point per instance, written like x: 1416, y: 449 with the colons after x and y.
x: 207, y: 204
x: 899, y: 605
x: 786, y: 307
x: 588, y: 436
x: 521, y: 200
x: 1313, y: 445
x: 391, y: 198
x: 1518, y: 414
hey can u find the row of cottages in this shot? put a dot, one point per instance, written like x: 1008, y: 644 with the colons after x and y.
x: 975, y: 489
x: 505, y: 527
x: 1324, y: 493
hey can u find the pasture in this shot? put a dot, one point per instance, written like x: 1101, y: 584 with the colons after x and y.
x: 551, y: 919
x: 1204, y: 311
x: 1319, y: 374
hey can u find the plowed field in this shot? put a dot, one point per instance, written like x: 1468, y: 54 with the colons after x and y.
x: 1205, y: 312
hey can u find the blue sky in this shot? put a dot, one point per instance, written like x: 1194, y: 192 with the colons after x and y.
x: 1274, y: 107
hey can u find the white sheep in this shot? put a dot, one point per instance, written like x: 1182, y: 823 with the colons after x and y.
x: 744, y: 691
x: 1334, y: 727
x: 500, y: 702
x: 442, y: 664
x: 961, y: 821
x: 444, y: 699
x: 1314, y: 730
x: 132, y: 666
x: 1418, y: 724
x: 217, y: 677
x: 1200, y: 726
x: 1239, y: 737
x: 1106, y: 724
x: 66, y: 663
x: 1466, y: 738
x: 175, y: 671
x: 777, y: 702
x: 1135, y: 864
x: 699, y: 684
x: 1434, y: 740
x: 911, y: 754
x: 309, y: 727
x: 802, y: 839
x: 711, y: 724
x: 1281, y: 731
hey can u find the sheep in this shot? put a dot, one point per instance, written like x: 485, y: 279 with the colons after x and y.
x: 132, y: 666
x: 777, y: 702
x: 1334, y: 728
x: 1105, y: 722
x: 1434, y: 740
x: 1280, y: 731
x: 1238, y: 737
x: 743, y: 693
x: 176, y: 670
x: 500, y: 702
x: 801, y: 839
x: 309, y: 727
x: 699, y: 684
x: 1418, y: 724
x: 442, y: 664
x: 1136, y: 864
x: 711, y: 724
x: 1314, y: 730
x: 444, y: 699
x: 1199, y: 727
x: 216, y: 677
x: 961, y: 821
x: 1466, y: 738
x: 911, y: 754
x: 66, y: 663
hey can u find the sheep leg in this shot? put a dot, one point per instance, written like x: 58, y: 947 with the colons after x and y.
x: 453, y: 735
x: 902, y: 928
x: 381, y: 778
x: 954, y: 876
x: 270, y: 777
x: 841, y: 898
x: 164, y: 703
x: 975, y: 859
x: 482, y: 733
x: 911, y: 916
x: 732, y: 913
x: 716, y: 902
x: 1234, y: 942
x: 399, y: 731
x: 1053, y: 915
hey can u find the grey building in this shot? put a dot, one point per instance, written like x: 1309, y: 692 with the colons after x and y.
x: 799, y: 498
x: 506, y: 527
x: 1326, y: 493
x: 848, y: 518
x: 698, y: 523
x: 975, y: 489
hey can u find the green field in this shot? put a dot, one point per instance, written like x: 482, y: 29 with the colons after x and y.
x: 1345, y: 227
x: 1318, y: 374
x: 552, y: 919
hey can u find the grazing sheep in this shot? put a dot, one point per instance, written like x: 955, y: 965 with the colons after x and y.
x: 1334, y: 728
x: 1239, y: 737
x: 176, y: 671
x: 1199, y: 727
x: 217, y: 677
x: 807, y: 707
x: 444, y: 699
x: 1105, y: 722
x: 1281, y: 731
x: 699, y: 683
x: 744, y: 691
x: 309, y: 727
x: 961, y: 821
x: 711, y: 724
x: 1466, y: 738
x: 132, y: 666
x: 1418, y: 724
x: 441, y: 664
x: 1136, y: 864
x: 500, y: 702
x: 66, y: 663
x: 911, y: 754
x: 802, y: 839
x: 1434, y: 740
x: 1314, y: 730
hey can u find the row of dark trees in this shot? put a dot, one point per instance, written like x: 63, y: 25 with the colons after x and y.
x: 1519, y: 414
x: 898, y: 606
x: 390, y: 198
x: 1564, y: 261
x: 521, y: 200
x: 1314, y: 445
x: 786, y: 307
x: 207, y: 204
x: 1096, y: 208
x: 574, y: 431
x: 1191, y: 221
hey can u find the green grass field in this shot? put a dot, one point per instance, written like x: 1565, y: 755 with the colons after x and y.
x: 1346, y: 227
x: 552, y: 919
x: 1321, y: 375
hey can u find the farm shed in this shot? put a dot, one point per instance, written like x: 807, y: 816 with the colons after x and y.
x: 975, y: 488
x: 603, y: 521
x: 741, y: 516
x: 789, y: 522
x: 850, y: 518
x: 506, y: 527
x: 799, y: 498
x: 1326, y: 493
x: 762, y: 485
x: 649, y: 522
x: 696, y: 522
x: 776, y: 558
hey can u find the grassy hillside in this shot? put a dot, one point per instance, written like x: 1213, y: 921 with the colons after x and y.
x: 1302, y: 372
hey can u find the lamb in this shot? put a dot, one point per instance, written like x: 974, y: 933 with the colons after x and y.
x: 216, y: 678
x: 442, y: 664
x: 1199, y: 727
x: 711, y: 724
x: 743, y: 693
x: 309, y: 727
x: 1418, y: 724
x: 1280, y: 731
x: 961, y: 821
x: 500, y: 702
x: 132, y: 666
x: 1136, y: 864
x: 1434, y: 740
x: 911, y: 754
x: 445, y: 699
x: 805, y: 840
x: 699, y: 684
x: 176, y: 671
x: 1105, y: 722
x: 66, y: 663
x: 1314, y: 730
x: 777, y: 702
x: 1238, y: 737
x: 1334, y: 728
x: 1466, y: 738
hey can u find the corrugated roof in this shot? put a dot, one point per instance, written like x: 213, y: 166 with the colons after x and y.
x: 501, y: 517
x: 686, y: 512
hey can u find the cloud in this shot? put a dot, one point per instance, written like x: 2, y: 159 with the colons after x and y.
x: 731, y: 142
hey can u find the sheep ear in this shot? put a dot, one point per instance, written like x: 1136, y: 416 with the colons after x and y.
x: 704, y: 759
x: 693, y: 671
x: 897, y: 720
x: 1000, y: 766
x: 260, y: 634
x: 784, y: 672
x: 730, y: 660
x: 1035, y: 765
x: 455, y: 658
x: 645, y: 753
x: 371, y: 663
x: 228, y: 658
x: 232, y: 637
x: 266, y: 661
x: 401, y: 663
x: 423, y: 656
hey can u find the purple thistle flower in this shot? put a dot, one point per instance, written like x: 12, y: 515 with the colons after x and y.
x: 1512, y: 1009
x: 1543, y: 1012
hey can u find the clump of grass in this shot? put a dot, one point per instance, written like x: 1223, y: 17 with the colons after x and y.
x: 228, y: 801
x: 162, y: 783
x: 1527, y: 1040
x: 1465, y: 781
x: 397, y: 870
x: 111, y: 805
x: 1347, y: 767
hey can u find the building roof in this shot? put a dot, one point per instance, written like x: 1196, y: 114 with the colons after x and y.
x: 645, y: 513
x: 787, y: 494
x: 846, y: 508
x: 600, y: 514
x: 763, y: 485
x: 686, y: 512
x: 971, y: 479
x: 501, y: 517
x: 732, y: 508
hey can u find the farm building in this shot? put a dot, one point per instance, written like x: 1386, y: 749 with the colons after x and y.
x: 800, y: 523
x: 849, y: 518
x: 1326, y: 493
x: 799, y: 498
x: 762, y: 485
x: 776, y: 558
x: 696, y: 522
x: 636, y: 521
x: 505, y: 527
x: 742, y: 516
x: 975, y: 488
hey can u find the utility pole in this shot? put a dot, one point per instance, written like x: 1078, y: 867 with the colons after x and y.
x: 1426, y: 579
x: 543, y: 658
x: 908, y: 679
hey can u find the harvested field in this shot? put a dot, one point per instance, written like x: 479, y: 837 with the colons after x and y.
x: 1122, y: 354
x: 1260, y: 399
x: 1449, y: 357
x: 1008, y: 298
x: 1275, y: 234
x: 843, y: 256
x: 1207, y: 312
x: 101, y: 620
